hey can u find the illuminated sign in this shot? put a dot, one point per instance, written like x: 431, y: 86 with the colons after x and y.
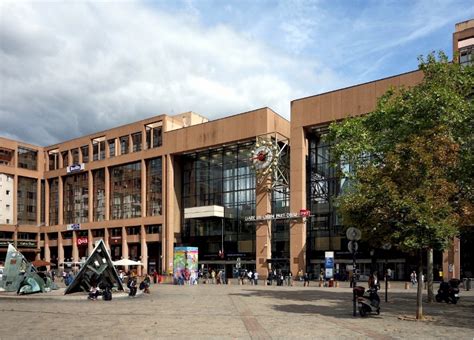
x: 75, y: 168
x: 82, y: 241
x: 283, y: 216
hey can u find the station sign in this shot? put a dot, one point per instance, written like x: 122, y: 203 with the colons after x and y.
x: 283, y: 216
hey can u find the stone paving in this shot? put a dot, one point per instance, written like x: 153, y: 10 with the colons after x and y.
x: 229, y: 312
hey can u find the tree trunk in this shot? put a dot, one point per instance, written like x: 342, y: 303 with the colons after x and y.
x: 419, y: 292
x: 429, y: 275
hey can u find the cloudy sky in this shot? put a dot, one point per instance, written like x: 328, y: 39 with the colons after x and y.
x: 73, y: 68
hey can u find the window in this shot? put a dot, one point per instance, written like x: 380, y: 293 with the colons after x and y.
x: 98, y: 148
x: 133, y: 230
x: 111, y: 147
x: 153, y: 229
x: 99, y: 194
x: 26, y: 204
x: 8, y: 192
x: 6, y: 156
x: 153, y: 135
x: 53, y: 201
x: 27, y: 158
x: 125, y: 191
x: 75, y: 156
x: 137, y: 141
x: 85, y: 153
x: 53, y: 159
x: 154, y: 187
x: 124, y: 145
x: 98, y: 233
x: 76, y: 198
x: 65, y: 158
x: 466, y: 55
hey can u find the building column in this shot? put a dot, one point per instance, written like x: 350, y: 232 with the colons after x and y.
x: 60, y: 249
x: 298, y: 200
x: 144, y: 249
x: 38, y: 248
x: 263, y: 244
x: 107, y: 240
x: 124, y: 245
x: 75, y: 249
x: 47, y: 251
x: 452, y: 261
x: 172, y: 214
x: 90, y: 242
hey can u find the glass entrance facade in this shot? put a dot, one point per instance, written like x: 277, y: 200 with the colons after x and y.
x: 223, y: 177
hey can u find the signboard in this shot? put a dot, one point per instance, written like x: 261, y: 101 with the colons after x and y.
x: 76, y: 226
x: 329, y: 264
x: 82, y: 241
x: 304, y: 213
x: 27, y: 244
x: 75, y: 168
x: 283, y: 216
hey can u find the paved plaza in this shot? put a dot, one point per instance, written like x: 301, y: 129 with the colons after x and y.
x: 229, y: 312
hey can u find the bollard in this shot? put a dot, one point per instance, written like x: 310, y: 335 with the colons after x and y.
x: 337, y: 284
x: 320, y: 284
x: 407, y: 285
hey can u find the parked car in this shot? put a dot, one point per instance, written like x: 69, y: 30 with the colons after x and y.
x: 1, y: 273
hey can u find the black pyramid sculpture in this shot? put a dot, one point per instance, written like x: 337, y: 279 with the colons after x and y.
x: 97, y: 270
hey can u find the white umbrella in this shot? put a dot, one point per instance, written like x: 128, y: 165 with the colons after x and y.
x: 127, y: 262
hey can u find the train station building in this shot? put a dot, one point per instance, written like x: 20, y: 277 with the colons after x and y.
x: 252, y: 190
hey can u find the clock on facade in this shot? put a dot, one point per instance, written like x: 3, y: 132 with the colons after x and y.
x: 262, y: 157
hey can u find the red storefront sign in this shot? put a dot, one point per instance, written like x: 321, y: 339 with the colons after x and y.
x: 304, y: 213
x: 82, y: 241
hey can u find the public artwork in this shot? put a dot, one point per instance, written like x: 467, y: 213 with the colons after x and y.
x: 185, y: 266
x: 19, y: 275
x: 98, y: 270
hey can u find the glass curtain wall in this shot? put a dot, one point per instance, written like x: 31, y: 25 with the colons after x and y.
x: 76, y: 198
x: 125, y: 191
x: 222, y: 177
x: 324, y: 231
x: 281, y: 228
x: 99, y: 194
x: 53, y: 201
x: 154, y: 187
x: 27, y: 200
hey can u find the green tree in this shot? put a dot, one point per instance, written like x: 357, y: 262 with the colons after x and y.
x: 411, y: 163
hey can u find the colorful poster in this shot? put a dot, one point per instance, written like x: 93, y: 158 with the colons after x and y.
x: 185, y: 265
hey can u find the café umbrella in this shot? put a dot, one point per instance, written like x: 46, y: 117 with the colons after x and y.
x: 127, y: 262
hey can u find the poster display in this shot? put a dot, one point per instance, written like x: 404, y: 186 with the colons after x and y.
x: 185, y: 265
x: 329, y: 264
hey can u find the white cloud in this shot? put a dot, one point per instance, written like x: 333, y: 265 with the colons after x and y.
x: 69, y: 69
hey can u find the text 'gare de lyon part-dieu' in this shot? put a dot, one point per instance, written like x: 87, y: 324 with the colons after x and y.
x: 252, y: 188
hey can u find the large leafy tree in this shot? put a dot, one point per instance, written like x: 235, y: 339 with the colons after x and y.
x: 412, y: 162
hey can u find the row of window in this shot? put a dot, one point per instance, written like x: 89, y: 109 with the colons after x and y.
x: 113, y: 232
x: 100, y: 145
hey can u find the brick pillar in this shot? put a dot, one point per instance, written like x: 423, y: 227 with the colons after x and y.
x: 124, y: 245
x: 75, y: 249
x: 263, y: 246
x: 144, y: 249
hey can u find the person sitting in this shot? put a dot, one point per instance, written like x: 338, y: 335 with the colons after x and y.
x: 93, y: 292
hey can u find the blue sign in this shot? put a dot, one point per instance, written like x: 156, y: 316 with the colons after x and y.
x: 329, y: 264
x: 75, y: 168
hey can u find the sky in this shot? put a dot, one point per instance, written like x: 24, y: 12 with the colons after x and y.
x: 68, y: 69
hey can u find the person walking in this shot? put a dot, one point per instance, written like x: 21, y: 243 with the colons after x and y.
x: 306, y: 280
x: 255, y: 278
x: 413, y: 278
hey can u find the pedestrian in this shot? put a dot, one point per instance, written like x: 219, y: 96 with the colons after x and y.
x: 373, y: 280
x: 53, y: 275
x: 300, y: 275
x: 290, y: 279
x: 213, y: 277
x: 321, y: 277
x: 306, y: 280
x: 249, y: 277
x: 155, y: 276
x: 255, y: 278
x: 413, y: 278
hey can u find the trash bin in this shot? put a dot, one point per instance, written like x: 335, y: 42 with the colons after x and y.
x: 467, y: 283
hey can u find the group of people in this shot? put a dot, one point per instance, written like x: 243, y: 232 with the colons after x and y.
x: 247, y: 276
